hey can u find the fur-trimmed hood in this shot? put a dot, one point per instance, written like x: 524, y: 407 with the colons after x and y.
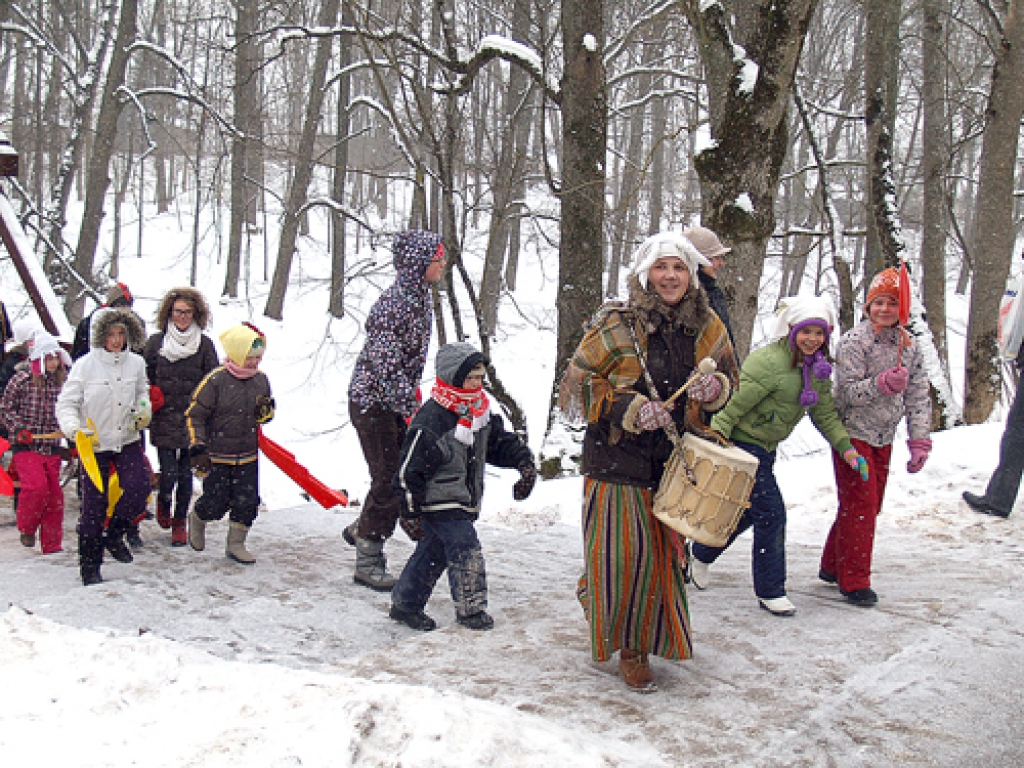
x: 201, y: 309
x: 104, y: 319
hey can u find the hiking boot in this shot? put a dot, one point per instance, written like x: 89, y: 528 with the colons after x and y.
x: 478, y: 621
x: 635, y: 668
x: 118, y: 549
x: 828, y: 578
x: 372, y: 566
x: 28, y: 539
x: 777, y: 606
x: 133, y: 538
x: 196, y: 532
x: 163, y: 514
x: 179, y: 533
x: 417, y: 620
x: 237, y: 533
x: 983, y: 505
x: 865, y: 597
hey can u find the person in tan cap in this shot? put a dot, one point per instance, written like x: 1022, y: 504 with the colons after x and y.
x: 711, y: 248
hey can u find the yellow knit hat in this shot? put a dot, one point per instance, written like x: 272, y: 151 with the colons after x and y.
x: 242, y: 341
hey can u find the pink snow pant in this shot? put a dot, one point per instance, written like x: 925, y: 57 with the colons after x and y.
x: 41, y: 502
x: 847, y: 554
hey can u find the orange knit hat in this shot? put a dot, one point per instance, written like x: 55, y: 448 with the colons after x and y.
x: 885, y: 283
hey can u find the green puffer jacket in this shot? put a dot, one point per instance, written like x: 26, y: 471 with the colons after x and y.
x: 766, y: 407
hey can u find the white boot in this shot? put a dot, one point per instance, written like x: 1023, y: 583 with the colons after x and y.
x: 236, y: 544
x: 777, y: 606
x: 698, y: 572
x: 196, y: 532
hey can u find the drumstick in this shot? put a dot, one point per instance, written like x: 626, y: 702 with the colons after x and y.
x: 704, y: 367
x: 49, y: 436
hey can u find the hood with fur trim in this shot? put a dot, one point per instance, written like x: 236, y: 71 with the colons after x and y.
x: 201, y: 309
x: 692, y: 312
x: 104, y: 319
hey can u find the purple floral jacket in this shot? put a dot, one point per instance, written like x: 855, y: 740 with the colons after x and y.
x: 867, y: 414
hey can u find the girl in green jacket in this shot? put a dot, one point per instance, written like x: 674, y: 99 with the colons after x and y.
x: 779, y: 383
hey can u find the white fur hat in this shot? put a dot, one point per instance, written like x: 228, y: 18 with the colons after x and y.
x: 794, y: 310
x: 666, y: 245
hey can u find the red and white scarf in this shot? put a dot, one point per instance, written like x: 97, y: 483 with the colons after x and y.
x: 471, y: 405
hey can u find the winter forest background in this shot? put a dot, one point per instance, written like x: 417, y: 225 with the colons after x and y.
x: 822, y: 140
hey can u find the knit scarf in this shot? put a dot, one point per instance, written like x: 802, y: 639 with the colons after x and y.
x: 180, y: 344
x: 238, y: 371
x: 471, y: 406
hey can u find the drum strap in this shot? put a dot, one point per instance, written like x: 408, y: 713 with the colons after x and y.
x: 670, y: 428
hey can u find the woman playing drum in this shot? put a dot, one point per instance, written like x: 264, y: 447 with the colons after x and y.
x: 632, y: 590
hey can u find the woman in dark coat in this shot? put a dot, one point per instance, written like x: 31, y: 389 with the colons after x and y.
x: 177, y: 359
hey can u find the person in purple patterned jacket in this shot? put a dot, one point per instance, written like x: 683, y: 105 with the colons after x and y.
x: 382, y: 395
x: 881, y: 380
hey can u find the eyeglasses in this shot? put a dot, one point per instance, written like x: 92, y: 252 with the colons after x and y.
x: 183, y: 312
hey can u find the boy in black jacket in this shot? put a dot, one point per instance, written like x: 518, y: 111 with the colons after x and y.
x: 441, y: 481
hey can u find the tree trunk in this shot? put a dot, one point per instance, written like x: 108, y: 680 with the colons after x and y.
x: 739, y: 173
x: 98, y: 167
x: 336, y: 301
x: 994, y: 230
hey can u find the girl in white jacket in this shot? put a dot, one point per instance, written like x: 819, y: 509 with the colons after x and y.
x: 109, y: 386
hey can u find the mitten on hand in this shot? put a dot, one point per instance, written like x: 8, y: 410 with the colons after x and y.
x: 892, y: 381
x: 264, y: 409
x: 653, y: 415
x: 857, y: 462
x: 524, y: 485
x: 200, y: 460
x: 705, y: 389
x: 140, y: 416
x: 919, y: 450
x: 156, y: 397
x: 24, y: 437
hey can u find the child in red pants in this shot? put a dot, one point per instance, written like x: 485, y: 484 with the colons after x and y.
x: 881, y: 380
x: 28, y: 410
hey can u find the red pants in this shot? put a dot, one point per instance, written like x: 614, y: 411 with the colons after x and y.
x: 41, y: 502
x: 848, y: 549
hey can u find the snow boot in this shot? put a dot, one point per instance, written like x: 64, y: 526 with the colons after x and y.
x: 163, y: 514
x: 828, y: 578
x: 237, y: 533
x: 113, y: 542
x: 777, y: 606
x: 372, y: 566
x: 417, y: 620
x: 865, y: 597
x: 28, y: 539
x: 351, y: 532
x: 697, y: 571
x: 196, y: 532
x: 179, y: 534
x: 478, y: 621
x: 983, y: 505
x: 90, y: 574
x: 133, y: 538
x: 635, y: 668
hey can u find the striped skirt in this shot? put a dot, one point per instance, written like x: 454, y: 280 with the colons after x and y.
x: 632, y: 591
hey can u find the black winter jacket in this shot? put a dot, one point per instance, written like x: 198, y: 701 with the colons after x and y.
x: 443, y: 477
x: 716, y: 298
x: 177, y: 381
x: 222, y: 416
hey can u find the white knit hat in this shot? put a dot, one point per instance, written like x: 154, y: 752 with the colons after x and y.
x: 794, y: 310
x: 666, y: 245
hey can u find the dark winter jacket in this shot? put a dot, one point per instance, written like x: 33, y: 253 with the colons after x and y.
x: 15, y: 357
x: 716, y: 298
x: 177, y: 380
x: 387, y: 372
x: 222, y: 416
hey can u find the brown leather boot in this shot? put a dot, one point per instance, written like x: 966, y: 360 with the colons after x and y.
x: 636, y: 671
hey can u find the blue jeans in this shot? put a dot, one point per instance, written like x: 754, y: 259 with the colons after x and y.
x: 767, y: 515
x: 451, y: 544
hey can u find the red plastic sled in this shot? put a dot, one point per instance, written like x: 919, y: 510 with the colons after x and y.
x: 285, y: 461
x: 6, y: 484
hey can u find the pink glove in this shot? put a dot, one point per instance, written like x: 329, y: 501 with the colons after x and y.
x: 653, y: 415
x: 919, y: 450
x: 705, y: 389
x: 892, y: 381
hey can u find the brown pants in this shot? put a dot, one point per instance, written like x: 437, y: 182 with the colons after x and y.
x: 381, y: 433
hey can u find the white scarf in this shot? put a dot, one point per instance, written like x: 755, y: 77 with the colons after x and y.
x: 180, y: 344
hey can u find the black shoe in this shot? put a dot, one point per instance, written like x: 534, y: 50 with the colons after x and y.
x: 134, y: 539
x: 478, y: 621
x: 828, y: 578
x: 417, y: 620
x: 350, y: 532
x: 865, y: 597
x: 981, y: 504
x: 118, y: 549
x: 91, y: 575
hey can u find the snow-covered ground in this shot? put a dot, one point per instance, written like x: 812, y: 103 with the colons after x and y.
x: 186, y: 658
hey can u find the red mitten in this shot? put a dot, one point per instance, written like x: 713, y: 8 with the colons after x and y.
x: 156, y: 397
